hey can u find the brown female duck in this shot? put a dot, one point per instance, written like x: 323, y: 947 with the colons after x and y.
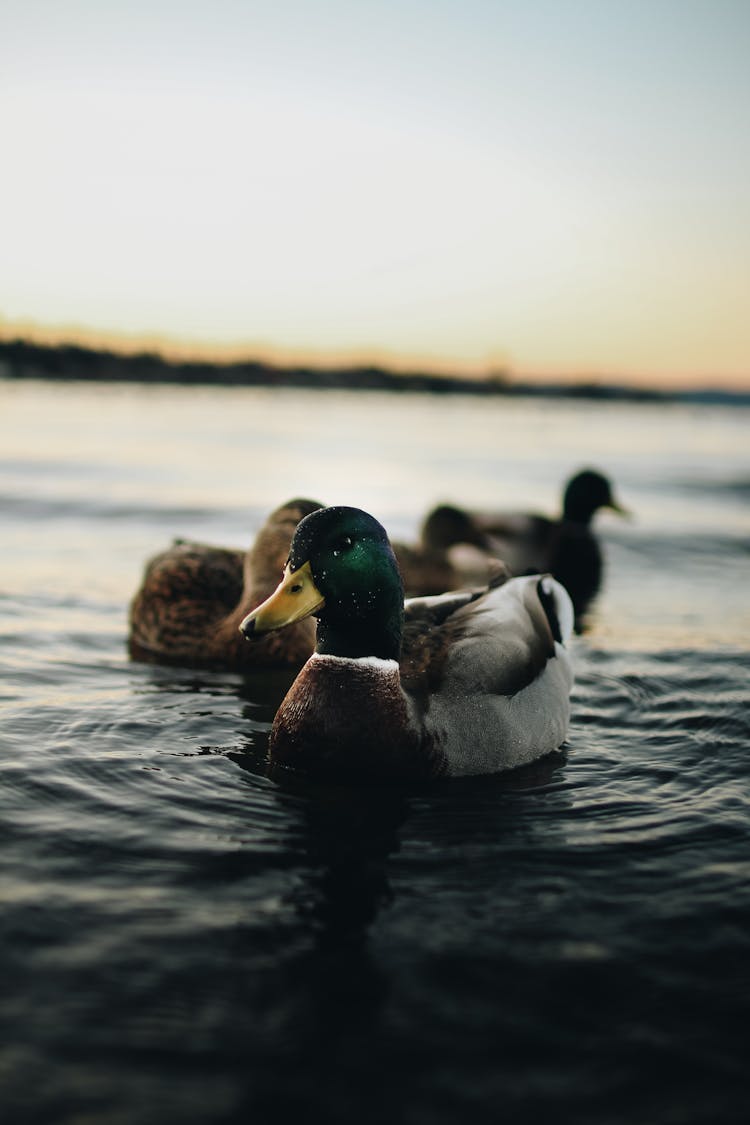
x: 193, y: 598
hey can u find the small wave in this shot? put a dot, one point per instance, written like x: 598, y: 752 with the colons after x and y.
x: 46, y: 508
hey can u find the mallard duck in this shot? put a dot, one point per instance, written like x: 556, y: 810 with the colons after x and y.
x: 471, y: 682
x: 565, y: 547
x: 193, y: 597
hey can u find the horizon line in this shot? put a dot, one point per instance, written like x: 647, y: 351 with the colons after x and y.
x: 185, y: 350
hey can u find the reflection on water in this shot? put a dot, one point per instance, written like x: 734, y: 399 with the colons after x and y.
x: 186, y: 938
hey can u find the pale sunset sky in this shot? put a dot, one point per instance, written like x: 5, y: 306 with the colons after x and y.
x: 556, y: 187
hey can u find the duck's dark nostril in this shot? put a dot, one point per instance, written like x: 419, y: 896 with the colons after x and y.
x: 296, y: 588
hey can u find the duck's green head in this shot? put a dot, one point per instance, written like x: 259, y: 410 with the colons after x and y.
x: 342, y: 570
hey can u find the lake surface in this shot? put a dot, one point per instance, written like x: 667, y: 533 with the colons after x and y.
x: 184, y: 939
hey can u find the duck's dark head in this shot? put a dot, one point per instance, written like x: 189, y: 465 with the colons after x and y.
x: 585, y: 493
x: 447, y: 524
x: 342, y: 570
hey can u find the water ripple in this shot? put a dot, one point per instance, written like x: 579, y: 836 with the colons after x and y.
x: 188, y: 939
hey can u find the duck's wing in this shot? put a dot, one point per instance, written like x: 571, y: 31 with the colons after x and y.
x: 490, y: 683
x: 477, y: 567
x: 505, y: 633
x: 523, y: 540
x: 185, y: 590
x: 423, y: 615
x: 195, y: 570
x: 424, y: 571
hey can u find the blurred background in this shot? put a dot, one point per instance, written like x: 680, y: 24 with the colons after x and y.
x: 556, y: 189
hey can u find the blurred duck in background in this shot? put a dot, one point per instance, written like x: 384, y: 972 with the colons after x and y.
x: 194, y: 596
x: 452, y: 554
x: 528, y: 543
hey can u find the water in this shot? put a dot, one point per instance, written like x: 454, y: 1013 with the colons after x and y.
x: 185, y: 940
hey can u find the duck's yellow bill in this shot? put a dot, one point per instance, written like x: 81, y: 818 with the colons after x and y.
x: 295, y: 597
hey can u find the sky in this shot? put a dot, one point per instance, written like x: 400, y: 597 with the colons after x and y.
x: 556, y: 188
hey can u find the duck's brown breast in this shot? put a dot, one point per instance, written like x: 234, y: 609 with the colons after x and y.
x: 350, y: 719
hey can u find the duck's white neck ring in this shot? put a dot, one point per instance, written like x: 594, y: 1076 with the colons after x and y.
x: 374, y: 662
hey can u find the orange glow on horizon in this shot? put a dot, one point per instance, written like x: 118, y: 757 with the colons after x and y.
x: 186, y: 350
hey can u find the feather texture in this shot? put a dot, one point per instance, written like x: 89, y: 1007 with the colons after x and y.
x: 193, y: 597
x: 482, y: 680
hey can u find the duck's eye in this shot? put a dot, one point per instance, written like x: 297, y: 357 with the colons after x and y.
x: 343, y: 545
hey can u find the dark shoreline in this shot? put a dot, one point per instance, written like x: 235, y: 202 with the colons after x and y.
x: 21, y: 359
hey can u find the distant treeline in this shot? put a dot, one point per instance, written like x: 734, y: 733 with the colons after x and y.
x: 22, y: 359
